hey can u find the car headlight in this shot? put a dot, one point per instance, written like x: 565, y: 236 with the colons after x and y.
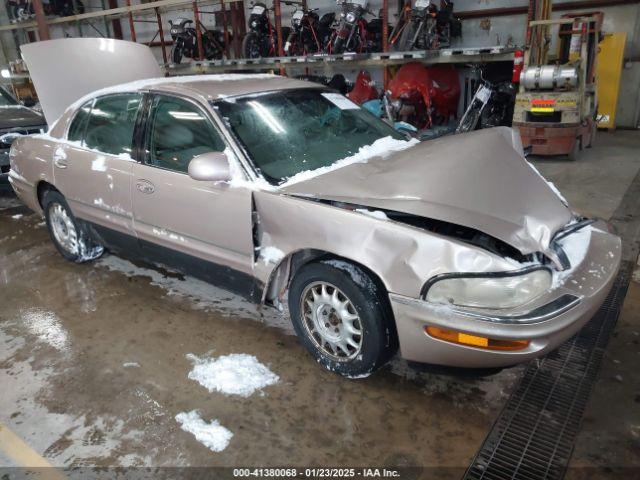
x: 351, y: 17
x: 254, y: 23
x: 504, y: 290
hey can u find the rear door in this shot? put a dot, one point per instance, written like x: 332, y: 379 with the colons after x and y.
x: 93, y: 169
x: 190, y: 220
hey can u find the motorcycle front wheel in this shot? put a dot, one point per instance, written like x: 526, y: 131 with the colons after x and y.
x: 405, y: 42
x: 251, y: 45
x: 176, y: 53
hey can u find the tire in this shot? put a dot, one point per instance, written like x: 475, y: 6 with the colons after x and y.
x: 251, y: 45
x: 338, y: 45
x: 405, y: 38
x: 176, y: 54
x: 69, y: 237
x: 364, y: 307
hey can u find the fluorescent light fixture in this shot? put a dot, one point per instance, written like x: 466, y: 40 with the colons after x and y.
x: 267, y: 117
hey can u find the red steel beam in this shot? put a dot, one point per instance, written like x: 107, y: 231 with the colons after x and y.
x: 196, y: 20
x: 43, y: 28
x: 223, y: 10
x: 162, y: 44
x: 115, y: 23
x: 131, y: 25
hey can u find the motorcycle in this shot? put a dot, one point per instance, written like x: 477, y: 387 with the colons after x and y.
x: 309, y: 32
x: 185, y: 41
x: 491, y: 106
x: 421, y: 96
x: 21, y: 10
x: 424, y: 27
x: 350, y: 35
x: 261, y: 40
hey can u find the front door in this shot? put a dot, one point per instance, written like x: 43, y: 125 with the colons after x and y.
x: 190, y: 220
x: 93, y: 170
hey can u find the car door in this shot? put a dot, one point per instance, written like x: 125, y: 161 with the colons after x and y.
x: 191, y: 220
x: 93, y: 168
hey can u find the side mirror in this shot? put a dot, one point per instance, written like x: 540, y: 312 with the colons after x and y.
x: 211, y: 167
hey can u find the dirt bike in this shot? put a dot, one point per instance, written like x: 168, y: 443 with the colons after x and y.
x: 185, y: 41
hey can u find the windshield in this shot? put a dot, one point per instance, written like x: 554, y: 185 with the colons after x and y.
x: 291, y: 131
x: 6, y: 99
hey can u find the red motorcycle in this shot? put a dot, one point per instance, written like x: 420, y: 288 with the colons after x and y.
x: 422, y: 96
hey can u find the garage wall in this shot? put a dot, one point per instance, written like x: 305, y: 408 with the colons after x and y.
x: 501, y: 30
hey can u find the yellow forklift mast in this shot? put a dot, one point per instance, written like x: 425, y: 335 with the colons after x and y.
x: 556, y: 105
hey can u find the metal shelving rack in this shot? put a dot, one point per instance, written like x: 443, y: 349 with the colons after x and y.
x: 284, y: 64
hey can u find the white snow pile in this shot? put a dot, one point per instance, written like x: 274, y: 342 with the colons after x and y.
x: 234, y: 374
x: 271, y: 255
x: 212, y: 435
x: 383, y: 147
x: 380, y: 215
x: 17, y: 216
x: 575, y: 246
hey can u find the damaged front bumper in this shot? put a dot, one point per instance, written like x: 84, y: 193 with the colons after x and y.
x: 543, y: 325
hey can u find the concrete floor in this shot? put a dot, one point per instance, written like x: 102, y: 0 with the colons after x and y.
x: 93, y: 366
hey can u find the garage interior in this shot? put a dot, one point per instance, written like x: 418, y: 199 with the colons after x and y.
x: 96, y: 359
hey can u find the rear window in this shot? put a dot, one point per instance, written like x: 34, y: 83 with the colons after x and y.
x: 111, y: 122
x: 77, y: 128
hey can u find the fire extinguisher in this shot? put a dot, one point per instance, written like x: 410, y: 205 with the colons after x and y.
x: 518, y: 65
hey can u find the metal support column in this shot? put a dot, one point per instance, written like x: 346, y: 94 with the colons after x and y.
x: 162, y: 44
x: 131, y: 25
x: 115, y: 23
x: 196, y: 20
x: 223, y: 10
x: 277, y: 12
x: 385, y: 39
x: 43, y: 28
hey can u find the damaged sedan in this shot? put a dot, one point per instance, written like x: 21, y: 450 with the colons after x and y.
x: 454, y: 251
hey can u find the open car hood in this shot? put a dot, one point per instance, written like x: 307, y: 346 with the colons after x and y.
x: 65, y: 70
x: 477, y: 180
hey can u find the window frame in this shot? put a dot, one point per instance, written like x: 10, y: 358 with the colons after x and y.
x: 86, y: 122
x: 93, y: 101
x: 145, y: 127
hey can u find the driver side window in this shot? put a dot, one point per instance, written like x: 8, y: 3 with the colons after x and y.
x: 179, y: 131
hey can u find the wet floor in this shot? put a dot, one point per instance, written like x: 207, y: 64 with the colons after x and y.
x: 94, y: 367
x: 93, y: 371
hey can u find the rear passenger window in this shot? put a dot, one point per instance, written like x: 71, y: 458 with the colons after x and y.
x: 76, y: 130
x: 111, y: 123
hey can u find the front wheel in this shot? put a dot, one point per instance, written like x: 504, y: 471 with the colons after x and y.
x: 71, y: 240
x: 176, y: 53
x: 342, y: 318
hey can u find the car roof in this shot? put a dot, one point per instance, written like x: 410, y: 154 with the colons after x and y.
x: 222, y: 85
x: 211, y: 87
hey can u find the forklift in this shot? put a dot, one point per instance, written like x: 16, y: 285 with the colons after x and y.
x: 556, y: 106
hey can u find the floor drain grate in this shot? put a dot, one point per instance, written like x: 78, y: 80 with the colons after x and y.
x: 533, y: 437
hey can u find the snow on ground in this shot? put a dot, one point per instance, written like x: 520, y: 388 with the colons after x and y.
x: 383, y: 147
x: 212, y: 435
x: 17, y: 216
x: 235, y: 374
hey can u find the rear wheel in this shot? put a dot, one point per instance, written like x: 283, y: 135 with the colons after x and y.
x: 575, y: 151
x: 69, y: 237
x: 342, y: 317
x: 176, y: 53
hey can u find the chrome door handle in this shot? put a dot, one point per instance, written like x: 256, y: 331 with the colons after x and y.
x: 145, y: 186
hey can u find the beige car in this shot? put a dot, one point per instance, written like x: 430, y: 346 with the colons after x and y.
x: 454, y: 251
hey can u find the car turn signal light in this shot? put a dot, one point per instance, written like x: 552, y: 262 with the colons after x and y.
x: 475, y: 341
